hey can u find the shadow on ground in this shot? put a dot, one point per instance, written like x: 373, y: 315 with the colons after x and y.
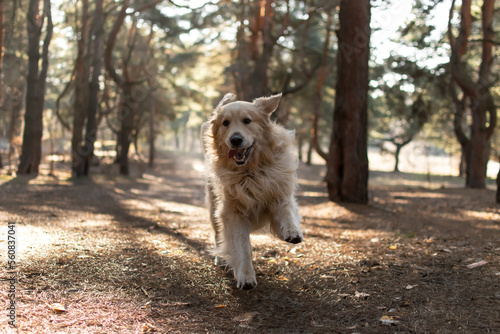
x: 126, y: 255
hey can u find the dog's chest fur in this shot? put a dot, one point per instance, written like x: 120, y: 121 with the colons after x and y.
x: 255, y: 191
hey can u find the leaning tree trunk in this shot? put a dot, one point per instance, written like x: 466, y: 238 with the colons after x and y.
x: 347, y: 165
x: 35, y: 88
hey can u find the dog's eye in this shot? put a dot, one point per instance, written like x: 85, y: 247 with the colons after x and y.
x: 225, y: 123
x: 247, y: 121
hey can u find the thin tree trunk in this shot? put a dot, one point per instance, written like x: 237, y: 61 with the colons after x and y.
x: 347, y: 166
x: 15, y: 120
x: 498, y: 185
x: 35, y: 89
x: 152, y: 133
x: 309, y: 153
x: 318, y: 99
x: 396, y: 157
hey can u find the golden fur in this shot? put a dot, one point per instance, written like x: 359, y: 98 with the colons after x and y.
x: 255, y: 187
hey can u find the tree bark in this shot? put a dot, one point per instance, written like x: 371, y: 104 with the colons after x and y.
x: 35, y: 88
x: 81, y: 96
x: 2, y: 31
x: 318, y: 99
x: 347, y: 166
x: 93, y: 105
x: 254, y: 51
x: 123, y: 141
x: 127, y: 83
x: 484, y: 117
x: 483, y: 110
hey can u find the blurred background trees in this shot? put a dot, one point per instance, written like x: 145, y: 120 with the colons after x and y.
x: 125, y: 79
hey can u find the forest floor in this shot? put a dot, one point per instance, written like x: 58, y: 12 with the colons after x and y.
x: 131, y: 255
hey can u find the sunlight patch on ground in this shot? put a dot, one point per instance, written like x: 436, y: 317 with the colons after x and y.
x: 312, y: 194
x: 488, y: 227
x: 494, y: 216
x: 95, y: 222
x: 305, y: 182
x: 175, y: 207
x: 153, y: 178
x: 417, y: 194
x: 138, y: 204
x: 31, y: 239
x: 324, y: 210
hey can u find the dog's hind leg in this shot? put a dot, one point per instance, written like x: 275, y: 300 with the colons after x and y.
x: 238, y: 253
x: 285, y: 222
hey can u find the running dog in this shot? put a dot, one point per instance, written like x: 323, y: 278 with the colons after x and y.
x: 251, y: 180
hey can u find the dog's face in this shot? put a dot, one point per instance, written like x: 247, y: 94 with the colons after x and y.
x: 238, y: 127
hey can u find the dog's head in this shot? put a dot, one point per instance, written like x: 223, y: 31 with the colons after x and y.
x: 239, y: 127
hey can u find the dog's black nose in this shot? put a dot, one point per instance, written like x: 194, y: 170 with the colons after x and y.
x: 236, y: 139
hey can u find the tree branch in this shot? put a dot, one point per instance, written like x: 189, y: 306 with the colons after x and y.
x: 108, y: 57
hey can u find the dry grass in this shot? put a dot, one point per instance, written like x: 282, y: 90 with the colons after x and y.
x: 125, y: 255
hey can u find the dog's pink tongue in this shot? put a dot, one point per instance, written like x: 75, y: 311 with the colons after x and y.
x: 233, y: 152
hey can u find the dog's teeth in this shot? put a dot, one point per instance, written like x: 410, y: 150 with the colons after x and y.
x: 236, y: 152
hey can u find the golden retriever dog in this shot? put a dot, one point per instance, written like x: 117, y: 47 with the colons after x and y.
x: 251, y: 180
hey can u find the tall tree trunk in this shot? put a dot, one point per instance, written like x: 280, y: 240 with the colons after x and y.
x: 126, y: 83
x: 126, y: 128
x: 93, y: 105
x: 484, y: 117
x: 483, y: 110
x: 347, y: 166
x: 81, y: 97
x: 253, y: 53
x: 458, y: 126
x: 123, y: 140
x: 2, y: 29
x: 318, y: 98
x: 35, y: 89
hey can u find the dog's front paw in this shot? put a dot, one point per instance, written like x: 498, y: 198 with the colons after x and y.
x: 245, y: 281
x: 293, y: 237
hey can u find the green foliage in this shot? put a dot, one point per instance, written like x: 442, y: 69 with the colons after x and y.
x: 188, y: 65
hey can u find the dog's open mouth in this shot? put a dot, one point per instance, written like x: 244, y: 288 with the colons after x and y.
x: 240, y: 155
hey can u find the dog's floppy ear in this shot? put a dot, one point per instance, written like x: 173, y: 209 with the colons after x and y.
x: 268, y: 104
x: 229, y: 97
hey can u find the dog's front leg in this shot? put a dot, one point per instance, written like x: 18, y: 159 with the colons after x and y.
x: 286, y: 221
x: 238, y: 252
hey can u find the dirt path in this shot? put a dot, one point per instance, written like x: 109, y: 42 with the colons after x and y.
x: 125, y: 255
